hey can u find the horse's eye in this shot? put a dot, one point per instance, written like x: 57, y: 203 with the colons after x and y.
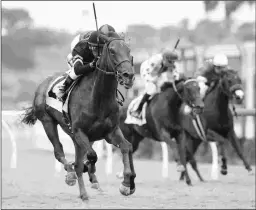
x: 112, y: 51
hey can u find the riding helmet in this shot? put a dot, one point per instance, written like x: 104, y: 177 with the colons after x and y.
x: 93, y: 39
x: 105, y: 29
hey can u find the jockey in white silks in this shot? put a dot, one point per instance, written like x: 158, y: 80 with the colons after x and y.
x: 155, y: 71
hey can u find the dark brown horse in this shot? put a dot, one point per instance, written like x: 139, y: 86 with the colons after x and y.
x: 163, y: 116
x: 94, y: 114
x: 217, y: 119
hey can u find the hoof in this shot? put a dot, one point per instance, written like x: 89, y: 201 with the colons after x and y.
x: 181, y: 179
x: 95, y: 186
x: 126, y: 190
x: 71, y: 178
x: 119, y: 175
x: 84, y: 197
x: 189, y: 183
x: 180, y: 168
x: 224, y: 171
x: 251, y: 173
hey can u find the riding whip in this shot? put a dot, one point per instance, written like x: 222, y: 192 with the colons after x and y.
x: 176, y: 45
x: 95, y: 17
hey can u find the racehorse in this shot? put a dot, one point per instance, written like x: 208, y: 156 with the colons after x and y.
x: 163, y: 116
x: 217, y: 119
x: 94, y: 114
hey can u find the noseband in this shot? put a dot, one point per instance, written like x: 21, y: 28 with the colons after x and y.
x: 114, y: 67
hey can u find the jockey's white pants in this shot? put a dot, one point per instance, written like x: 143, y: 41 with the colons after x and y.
x: 203, y: 87
x: 153, y: 84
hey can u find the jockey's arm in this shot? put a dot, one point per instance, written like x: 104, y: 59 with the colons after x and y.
x: 201, y: 76
x: 80, y: 68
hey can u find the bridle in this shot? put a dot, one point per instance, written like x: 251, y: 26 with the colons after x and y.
x: 116, y: 73
x: 188, y: 102
x: 230, y: 91
x: 114, y: 67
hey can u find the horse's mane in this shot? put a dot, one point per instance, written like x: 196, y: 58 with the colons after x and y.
x: 168, y: 85
x: 113, y: 35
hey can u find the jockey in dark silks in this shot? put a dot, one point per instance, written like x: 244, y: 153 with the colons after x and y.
x: 84, y: 55
x: 211, y: 71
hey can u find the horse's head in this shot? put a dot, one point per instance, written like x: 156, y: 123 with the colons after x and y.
x: 231, y: 84
x: 116, y: 59
x: 191, y: 95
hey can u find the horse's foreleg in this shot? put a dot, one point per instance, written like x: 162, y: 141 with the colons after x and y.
x: 234, y: 141
x: 223, y: 158
x: 83, y: 146
x: 116, y: 138
x: 90, y: 163
x: 135, y: 140
x: 181, y: 141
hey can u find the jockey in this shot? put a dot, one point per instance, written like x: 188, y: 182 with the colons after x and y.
x: 154, y: 72
x: 105, y: 29
x: 84, y: 55
x: 211, y: 71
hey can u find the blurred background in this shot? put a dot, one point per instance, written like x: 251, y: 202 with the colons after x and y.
x: 36, y: 38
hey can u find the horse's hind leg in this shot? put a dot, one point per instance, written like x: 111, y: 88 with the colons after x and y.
x: 51, y: 130
x: 234, y: 141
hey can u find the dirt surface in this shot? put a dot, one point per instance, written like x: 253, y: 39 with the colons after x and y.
x: 33, y: 185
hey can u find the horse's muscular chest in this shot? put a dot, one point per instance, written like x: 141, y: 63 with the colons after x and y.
x: 95, y: 126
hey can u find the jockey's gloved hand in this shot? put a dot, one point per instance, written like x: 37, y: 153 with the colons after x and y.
x: 93, y: 63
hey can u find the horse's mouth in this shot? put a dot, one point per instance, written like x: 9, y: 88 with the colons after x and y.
x: 197, y: 109
x: 127, y: 86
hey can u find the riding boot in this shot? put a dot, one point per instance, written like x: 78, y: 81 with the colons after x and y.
x: 67, y: 83
x: 145, y: 98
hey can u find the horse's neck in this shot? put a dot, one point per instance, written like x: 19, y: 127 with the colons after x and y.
x: 104, y: 92
x: 219, y: 100
x: 174, y: 100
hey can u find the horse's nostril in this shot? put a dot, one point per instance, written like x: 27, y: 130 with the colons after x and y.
x: 126, y: 75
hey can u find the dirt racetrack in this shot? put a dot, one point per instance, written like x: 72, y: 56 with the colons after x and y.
x: 33, y: 185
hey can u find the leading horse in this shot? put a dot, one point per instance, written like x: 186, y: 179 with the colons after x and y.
x: 94, y: 114
x: 163, y: 116
x: 217, y: 119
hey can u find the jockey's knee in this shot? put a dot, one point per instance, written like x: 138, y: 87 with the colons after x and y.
x: 151, y: 88
x: 69, y: 60
x: 72, y: 74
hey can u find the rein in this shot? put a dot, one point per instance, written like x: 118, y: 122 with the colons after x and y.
x: 115, y: 72
x: 182, y: 98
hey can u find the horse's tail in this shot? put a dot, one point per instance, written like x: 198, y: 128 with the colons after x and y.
x: 29, y: 116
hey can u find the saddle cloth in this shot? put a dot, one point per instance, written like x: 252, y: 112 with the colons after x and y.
x: 52, y: 98
x: 130, y: 119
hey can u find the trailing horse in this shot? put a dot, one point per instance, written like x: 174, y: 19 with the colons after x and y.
x: 163, y: 116
x: 217, y: 119
x: 93, y: 112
